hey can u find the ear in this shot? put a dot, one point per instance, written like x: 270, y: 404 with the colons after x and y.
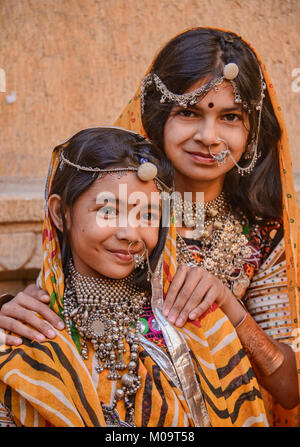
x: 54, y: 206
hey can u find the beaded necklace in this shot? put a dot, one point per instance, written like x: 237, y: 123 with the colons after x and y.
x: 106, y: 311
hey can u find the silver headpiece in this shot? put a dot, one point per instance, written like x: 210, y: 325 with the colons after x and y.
x: 146, y: 171
x: 230, y: 72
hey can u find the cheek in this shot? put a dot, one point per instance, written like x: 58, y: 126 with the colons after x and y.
x: 150, y: 238
x: 173, y: 135
x: 87, y: 231
x: 236, y: 139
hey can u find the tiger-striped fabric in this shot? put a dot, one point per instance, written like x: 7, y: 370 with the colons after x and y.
x: 50, y: 385
x: 226, y: 377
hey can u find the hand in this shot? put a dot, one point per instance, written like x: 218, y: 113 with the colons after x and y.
x: 192, y: 291
x: 22, y: 309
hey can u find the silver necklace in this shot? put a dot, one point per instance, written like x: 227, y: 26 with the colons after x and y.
x: 106, y: 312
x: 225, y: 250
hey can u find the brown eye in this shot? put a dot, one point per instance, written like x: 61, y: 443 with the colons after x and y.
x: 186, y: 113
x: 107, y: 212
x: 232, y: 117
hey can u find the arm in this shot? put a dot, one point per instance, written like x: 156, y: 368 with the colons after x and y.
x: 193, y: 285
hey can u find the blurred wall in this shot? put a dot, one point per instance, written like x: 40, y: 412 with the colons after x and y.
x: 72, y: 64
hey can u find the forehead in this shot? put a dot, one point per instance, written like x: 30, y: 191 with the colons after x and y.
x: 223, y: 93
x: 113, y: 184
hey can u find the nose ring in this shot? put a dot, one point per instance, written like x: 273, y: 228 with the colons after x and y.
x: 138, y: 259
x: 221, y: 156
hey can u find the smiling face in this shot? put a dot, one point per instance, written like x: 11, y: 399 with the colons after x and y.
x: 99, y: 243
x: 191, y: 132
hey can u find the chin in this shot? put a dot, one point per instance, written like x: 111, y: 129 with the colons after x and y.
x: 118, y: 273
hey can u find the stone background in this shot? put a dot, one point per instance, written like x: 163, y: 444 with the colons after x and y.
x: 75, y: 63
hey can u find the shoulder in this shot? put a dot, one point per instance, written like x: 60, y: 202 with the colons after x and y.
x: 265, y: 236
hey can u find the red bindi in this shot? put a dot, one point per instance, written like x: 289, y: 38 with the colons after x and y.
x: 210, y: 105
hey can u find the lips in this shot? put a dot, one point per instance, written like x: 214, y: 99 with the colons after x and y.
x: 201, y: 154
x: 124, y: 252
x: 123, y: 255
x: 201, y: 157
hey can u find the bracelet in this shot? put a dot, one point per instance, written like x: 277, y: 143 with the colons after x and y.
x: 5, y: 298
x: 258, y: 346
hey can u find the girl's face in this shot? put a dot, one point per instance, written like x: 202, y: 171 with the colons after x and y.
x: 189, y: 132
x: 98, y: 234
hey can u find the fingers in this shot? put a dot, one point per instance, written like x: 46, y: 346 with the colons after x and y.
x: 17, y: 312
x: 42, y: 309
x: 10, y: 340
x: 37, y: 293
x: 193, y: 302
x: 17, y: 327
x: 174, y: 288
x: 209, y: 298
x: 183, y: 304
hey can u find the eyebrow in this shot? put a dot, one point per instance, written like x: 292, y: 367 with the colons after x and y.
x: 224, y: 109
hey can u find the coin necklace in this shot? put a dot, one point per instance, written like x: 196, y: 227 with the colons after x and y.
x: 106, y: 312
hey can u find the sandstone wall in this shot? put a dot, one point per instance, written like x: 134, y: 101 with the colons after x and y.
x: 75, y: 63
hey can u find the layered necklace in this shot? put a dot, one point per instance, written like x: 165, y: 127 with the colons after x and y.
x: 106, y: 312
x: 224, y: 250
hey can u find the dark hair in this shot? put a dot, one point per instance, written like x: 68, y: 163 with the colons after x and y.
x: 106, y: 148
x: 202, y: 53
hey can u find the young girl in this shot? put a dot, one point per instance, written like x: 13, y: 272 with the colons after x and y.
x: 118, y: 362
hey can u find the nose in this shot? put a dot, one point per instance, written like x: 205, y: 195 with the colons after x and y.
x: 128, y: 233
x: 205, y: 132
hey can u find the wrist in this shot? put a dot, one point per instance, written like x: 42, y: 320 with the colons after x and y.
x: 261, y: 350
x: 233, y: 308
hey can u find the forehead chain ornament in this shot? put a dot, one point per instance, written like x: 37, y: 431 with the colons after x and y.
x: 230, y: 72
x: 146, y: 171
